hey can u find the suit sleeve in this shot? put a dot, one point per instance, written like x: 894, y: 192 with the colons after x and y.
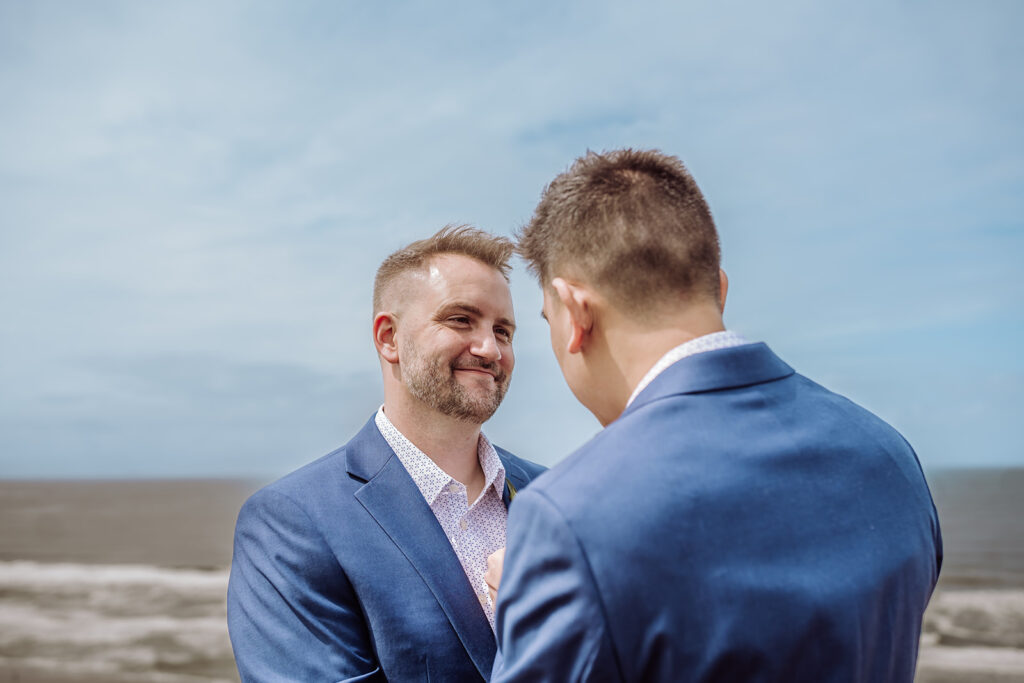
x: 550, y: 621
x: 292, y: 613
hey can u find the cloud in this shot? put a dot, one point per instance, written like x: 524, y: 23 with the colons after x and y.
x: 195, y: 191
x: 121, y: 416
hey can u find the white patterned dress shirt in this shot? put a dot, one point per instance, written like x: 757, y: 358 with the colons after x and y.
x: 708, y: 342
x: 475, y: 531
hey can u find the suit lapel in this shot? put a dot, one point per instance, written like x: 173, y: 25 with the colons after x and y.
x: 729, y: 368
x: 507, y: 493
x: 514, y: 475
x: 391, y: 497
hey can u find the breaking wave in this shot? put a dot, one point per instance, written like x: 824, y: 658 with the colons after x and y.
x: 159, y: 625
x: 155, y: 624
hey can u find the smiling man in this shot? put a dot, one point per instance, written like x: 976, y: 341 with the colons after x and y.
x: 368, y: 564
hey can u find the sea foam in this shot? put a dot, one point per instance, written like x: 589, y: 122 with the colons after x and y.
x: 961, y: 618
x: 167, y: 625
x: 152, y: 623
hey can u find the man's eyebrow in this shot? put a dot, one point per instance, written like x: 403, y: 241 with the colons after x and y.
x: 460, y: 306
x: 470, y: 308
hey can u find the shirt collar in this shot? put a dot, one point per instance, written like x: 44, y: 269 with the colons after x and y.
x: 708, y: 342
x: 494, y: 471
x: 428, y: 477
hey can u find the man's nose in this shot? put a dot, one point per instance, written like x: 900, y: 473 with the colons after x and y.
x: 485, y: 346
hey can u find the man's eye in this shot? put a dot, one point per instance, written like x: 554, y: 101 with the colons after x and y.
x: 502, y: 332
x: 459, y: 319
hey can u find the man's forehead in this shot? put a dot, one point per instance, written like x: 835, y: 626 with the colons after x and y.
x: 438, y: 272
x: 444, y: 278
x: 410, y: 283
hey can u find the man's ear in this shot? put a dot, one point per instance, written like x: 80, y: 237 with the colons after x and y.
x: 577, y: 301
x: 384, y: 330
x: 723, y: 283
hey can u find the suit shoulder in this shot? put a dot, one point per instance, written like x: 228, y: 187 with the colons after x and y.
x: 300, y: 485
x: 578, y: 471
x: 867, y: 422
x: 529, y: 470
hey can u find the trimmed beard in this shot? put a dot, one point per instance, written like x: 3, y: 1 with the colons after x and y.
x: 433, y: 382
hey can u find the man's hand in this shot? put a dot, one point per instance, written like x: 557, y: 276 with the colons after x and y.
x: 493, y: 574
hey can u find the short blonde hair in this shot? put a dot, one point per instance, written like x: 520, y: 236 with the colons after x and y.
x: 492, y: 250
x: 632, y: 223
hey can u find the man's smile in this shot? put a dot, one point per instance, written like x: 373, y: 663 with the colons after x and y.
x: 479, y: 371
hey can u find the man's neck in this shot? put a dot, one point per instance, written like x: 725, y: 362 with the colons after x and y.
x: 452, y: 444
x: 631, y: 349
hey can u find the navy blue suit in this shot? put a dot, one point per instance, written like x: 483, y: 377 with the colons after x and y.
x: 737, y: 522
x: 341, y: 572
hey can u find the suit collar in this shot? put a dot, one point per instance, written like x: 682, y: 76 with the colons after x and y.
x: 367, y: 452
x: 392, y: 499
x: 709, y: 342
x: 728, y: 368
x: 514, y: 474
x: 430, y: 479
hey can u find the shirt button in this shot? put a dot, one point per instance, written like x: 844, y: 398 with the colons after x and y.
x: 463, y: 525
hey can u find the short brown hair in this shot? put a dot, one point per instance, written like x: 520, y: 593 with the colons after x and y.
x: 631, y: 223
x: 493, y: 250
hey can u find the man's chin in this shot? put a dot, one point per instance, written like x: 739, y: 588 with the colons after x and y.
x: 473, y: 396
x: 478, y: 409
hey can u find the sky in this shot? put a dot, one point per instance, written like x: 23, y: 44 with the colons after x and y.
x: 194, y: 198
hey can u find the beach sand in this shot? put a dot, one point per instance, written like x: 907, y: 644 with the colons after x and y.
x: 28, y: 674
x: 936, y: 664
x: 124, y: 582
x: 935, y: 676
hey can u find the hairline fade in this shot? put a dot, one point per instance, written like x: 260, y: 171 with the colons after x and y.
x: 632, y: 223
x: 463, y: 240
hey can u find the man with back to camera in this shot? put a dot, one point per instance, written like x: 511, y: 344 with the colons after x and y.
x: 733, y: 521
x: 367, y: 564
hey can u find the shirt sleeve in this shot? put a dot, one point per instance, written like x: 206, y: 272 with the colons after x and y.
x: 292, y: 613
x: 550, y: 621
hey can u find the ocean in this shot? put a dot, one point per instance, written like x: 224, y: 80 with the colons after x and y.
x: 124, y: 581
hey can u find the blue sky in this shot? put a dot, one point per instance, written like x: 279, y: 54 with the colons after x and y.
x: 194, y: 198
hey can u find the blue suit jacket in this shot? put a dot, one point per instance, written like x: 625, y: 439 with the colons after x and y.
x: 738, y: 522
x: 341, y: 572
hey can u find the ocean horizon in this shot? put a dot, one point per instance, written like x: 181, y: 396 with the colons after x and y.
x: 125, y: 580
